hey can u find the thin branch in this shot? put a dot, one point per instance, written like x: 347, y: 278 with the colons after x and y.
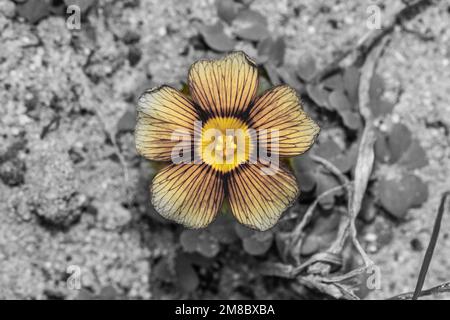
x: 439, y: 289
x: 298, y: 234
x: 431, y: 245
x: 371, y: 39
x: 332, y: 168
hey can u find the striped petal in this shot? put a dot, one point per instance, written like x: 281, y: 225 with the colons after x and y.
x: 165, y: 120
x: 189, y: 194
x: 280, y: 109
x: 259, y: 194
x: 224, y: 87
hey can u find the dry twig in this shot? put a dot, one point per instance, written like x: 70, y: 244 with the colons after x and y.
x: 371, y: 39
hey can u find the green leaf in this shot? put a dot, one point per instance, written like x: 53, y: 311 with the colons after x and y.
x: 399, y: 194
x: 264, y: 84
x: 351, y: 84
x: 272, y: 73
x: 127, y: 122
x: 343, y: 159
x: 392, y: 145
x: 379, y: 106
x: 201, y: 241
x: 351, y: 119
x: 306, y: 67
x: 216, y: 38
x: 84, y: 5
x: 399, y: 141
x: 326, y: 181
x: 431, y: 245
x: 334, y: 82
x: 33, y: 11
x: 339, y: 101
x: 376, y: 87
x: 415, y: 157
x: 223, y: 229
x: 258, y: 243
x: 254, y: 242
x: 321, y: 235
x: 272, y: 50
x: 250, y: 25
x: 318, y: 95
x: 289, y: 77
x: 227, y: 10
x: 304, y: 169
x: 186, y: 275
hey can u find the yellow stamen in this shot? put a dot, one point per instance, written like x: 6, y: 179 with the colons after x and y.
x: 225, y: 143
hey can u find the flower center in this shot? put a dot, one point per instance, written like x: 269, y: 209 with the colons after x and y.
x: 225, y: 143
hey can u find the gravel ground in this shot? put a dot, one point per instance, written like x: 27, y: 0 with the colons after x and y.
x: 65, y: 198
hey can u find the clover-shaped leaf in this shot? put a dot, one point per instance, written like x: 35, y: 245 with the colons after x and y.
x: 398, y: 141
x: 325, y: 181
x: 227, y: 10
x: 272, y: 50
x: 414, y: 158
x: 312, y: 177
x: 272, y: 73
x: 258, y: 245
x: 162, y: 271
x: 306, y: 67
x: 381, y: 107
x: 334, y: 82
x: 109, y: 293
x: 216, y: 38
x: 34, y: 11
x: 289, y: 76
x: 376, y: 88
x: 186, y: 275
x: 339, y: 101
x: 398, y: 194
x: 351, y: 83
x: 344, y: 160
x: 250, y: 25
x: 127, y: 122
x: 223, y: 229
x: 323, y: 232
x: 304, y: 169
x: 391, y: 146
x: 264, y: 84
x: 201, y: 241
x: 255, y: 242
x: 318, y: 94
x: 84, y: 5
x: 351, y: 119
x: 327, y: 149
x: 378, y: 105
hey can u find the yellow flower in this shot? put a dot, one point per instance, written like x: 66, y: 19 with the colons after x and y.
x: 233, y: 154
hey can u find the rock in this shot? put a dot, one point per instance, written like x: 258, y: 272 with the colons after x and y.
x: 216, y: 38
x: 8, y: 9
x: 52, y: 187
x: 113, y: 215
x: 397, y: 195
x: 134, y: 55
x: 131, y: 37
x: 12, y: 172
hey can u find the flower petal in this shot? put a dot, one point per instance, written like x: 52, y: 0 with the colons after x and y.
x: 258, y: 199
x: 280, y: 108
x: 224, y: 87
x: 189, y: 194
x: 163, y: 112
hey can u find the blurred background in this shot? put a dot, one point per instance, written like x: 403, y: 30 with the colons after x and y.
x: 75, y: 216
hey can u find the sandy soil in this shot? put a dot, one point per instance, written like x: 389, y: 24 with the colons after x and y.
x: 64, y: 199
